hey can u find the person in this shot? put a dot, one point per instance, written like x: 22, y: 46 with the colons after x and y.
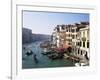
x: 35, y: 58
x: 31, y: 52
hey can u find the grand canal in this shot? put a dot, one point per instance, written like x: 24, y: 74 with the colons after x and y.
x: 43, y: 61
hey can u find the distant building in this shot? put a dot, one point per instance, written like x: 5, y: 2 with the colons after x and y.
x: 26, y: 35
x: 54, y: 39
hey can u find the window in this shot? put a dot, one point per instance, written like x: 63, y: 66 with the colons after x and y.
x: 66, y: 29
x: 81, y: 52
x: 62, y: 27
x: 76, y: 43
x: 69, y: 43
x: 78, y: 51
x: 58, y: 29
x: 69, y: 35
x: 69, y: 30
x: 77, y: 30
x: 83, y: 44
x: 73, y: 30
x: 88, y: 33
x: 84, y: 34
x: 73, y: 37
x: 76, y: 36
x: 80, y: 44
x: 86, y: 56
x: 87, y: 44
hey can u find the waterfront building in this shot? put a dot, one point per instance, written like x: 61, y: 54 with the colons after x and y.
x: 60, y: 37
x: 76, y: 36
x: 82, y: 44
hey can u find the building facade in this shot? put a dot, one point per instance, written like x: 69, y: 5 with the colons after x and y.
x: 61, y: 37
x: 82, y: 43
x: 76, y: 36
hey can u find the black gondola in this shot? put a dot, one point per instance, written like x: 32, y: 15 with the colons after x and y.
x: 28, y: 53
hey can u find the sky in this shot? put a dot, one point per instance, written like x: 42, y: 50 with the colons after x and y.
x: 45, y: 22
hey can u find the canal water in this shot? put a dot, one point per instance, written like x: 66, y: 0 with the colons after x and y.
x: 43, y: 61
